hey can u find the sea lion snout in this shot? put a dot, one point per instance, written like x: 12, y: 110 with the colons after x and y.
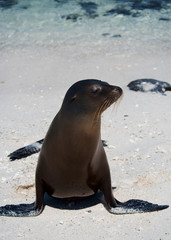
x: 116, y: 92
x: 117, y: 89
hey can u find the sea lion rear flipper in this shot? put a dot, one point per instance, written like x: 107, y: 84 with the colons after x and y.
x: 131, y: 206
x: 26, y: 151
x: 136, y: 206
x: 21, y: 210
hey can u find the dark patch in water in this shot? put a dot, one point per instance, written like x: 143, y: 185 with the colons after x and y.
x: 89, y: 7
x: 164, y: 19
x: 105, y: 34
x: 136, y: 14
x: 92, y: 16
x: 61, y: 1
x: 110, y: 12
x: 113, y: 36
x: 123, y: 11
x: 90, y: 12
x: 146, y: 4
x: 118, y: 11
x: 116, y: 36
x: 7, y: 3
x: 135, y: 7
x: 24, y: 7
x: 73, y: 17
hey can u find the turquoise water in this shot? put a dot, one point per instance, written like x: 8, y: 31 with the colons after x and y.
x: 90, y: 24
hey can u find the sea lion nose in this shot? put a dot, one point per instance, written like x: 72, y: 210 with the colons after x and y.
x: 117, y: 89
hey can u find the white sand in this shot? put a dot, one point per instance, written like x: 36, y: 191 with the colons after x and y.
x: 32, y: 86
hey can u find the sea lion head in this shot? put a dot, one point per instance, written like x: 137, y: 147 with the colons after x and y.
x: 90, y: 96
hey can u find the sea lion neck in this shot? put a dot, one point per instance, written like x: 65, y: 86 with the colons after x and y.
x: 81, y: 120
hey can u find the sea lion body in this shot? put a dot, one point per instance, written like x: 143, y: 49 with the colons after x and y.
x: 69, y: 173
x: 72, y: 160
x: 68, y: 162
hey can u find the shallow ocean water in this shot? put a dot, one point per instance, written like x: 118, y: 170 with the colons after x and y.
x: 96, y: 24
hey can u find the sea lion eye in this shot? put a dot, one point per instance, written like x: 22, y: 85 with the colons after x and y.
x: 96, y: 89
x: 73, y: 98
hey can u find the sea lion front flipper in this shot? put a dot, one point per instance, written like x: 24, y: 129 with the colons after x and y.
x: 26, y: 210
x: 26, y: 151
x: 136, y: 206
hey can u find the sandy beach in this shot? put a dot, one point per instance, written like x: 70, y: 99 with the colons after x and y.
x: 32, y: 86
x: 45, y: 47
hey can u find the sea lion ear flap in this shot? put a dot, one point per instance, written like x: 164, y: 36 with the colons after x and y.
x: 73, y: 98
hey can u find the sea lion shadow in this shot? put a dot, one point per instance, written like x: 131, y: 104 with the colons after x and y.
x: 74, y: 203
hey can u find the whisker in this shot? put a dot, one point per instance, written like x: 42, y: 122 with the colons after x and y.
x: 99, y: 110
x: 116, y: 105
x: 107, y: 103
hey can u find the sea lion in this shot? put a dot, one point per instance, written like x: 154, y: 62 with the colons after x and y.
x: 149, y: 85
x: 72, y: 160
